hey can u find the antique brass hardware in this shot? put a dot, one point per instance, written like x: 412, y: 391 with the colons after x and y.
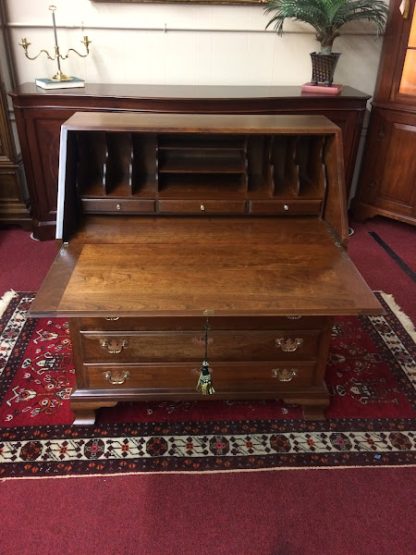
x: 113, y: 318
x: 286, y: 207
x: 202, y: 207
x: 294, y: 317
x: 118, y: 378
x: 288, y: 344
x: 284, y: 374
x: 118, y: 206
x: 114, y: 346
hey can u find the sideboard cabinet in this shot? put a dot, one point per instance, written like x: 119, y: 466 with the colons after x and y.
x: 201, y: 254
x: 40, y: 114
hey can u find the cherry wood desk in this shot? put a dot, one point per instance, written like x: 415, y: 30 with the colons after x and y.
x: 173, y: 222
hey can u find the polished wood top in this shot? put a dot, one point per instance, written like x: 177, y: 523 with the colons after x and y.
x: 205, y: 92
x: 193, y: 267
x: 200, y: 123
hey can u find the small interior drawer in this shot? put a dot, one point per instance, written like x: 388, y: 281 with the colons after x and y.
x: 286, y: 207
x: 202, y: 206
x: 117, y: 206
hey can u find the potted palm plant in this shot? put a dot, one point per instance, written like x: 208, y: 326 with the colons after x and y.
x: 326, y: 17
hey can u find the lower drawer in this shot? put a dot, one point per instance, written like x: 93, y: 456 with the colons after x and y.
x: 227, y: 377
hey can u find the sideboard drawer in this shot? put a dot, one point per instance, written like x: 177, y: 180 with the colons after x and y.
x: 227, y: 345
x: 183, y: 377
x: 117, y: 206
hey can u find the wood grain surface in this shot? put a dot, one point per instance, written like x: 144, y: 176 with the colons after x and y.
x: 179, y: 267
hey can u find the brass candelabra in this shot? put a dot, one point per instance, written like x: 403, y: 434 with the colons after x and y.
x: 57, y: 56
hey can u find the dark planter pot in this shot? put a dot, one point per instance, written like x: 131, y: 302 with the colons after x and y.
x: 323, y: 67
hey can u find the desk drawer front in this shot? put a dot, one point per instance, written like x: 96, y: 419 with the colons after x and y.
x: 183, y: 377
x: 115, y: 323
x: 117, y: 206
x: 202, y: 206
x: 227, y: 345
x: 286, y: 207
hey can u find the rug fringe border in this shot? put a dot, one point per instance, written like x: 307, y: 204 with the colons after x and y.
x: 404, y: 319
x: 5, y: 300
x: 206, y: 472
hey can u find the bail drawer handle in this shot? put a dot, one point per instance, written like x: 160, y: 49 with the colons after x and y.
x: 112, y: 318
x: 284, y: 374
x: 118, y: 378
x: 288, y: 344
x: 114, y: 346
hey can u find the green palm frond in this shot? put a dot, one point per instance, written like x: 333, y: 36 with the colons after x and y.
x: 375, y: 11
x: 326, y: 16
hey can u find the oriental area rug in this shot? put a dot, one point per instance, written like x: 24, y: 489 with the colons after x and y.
x: 371, y: 421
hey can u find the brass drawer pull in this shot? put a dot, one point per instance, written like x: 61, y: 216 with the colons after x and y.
x: 114, y: 346
x: 202, y: 207
x: 113, y: 318
x: 118, y: 378
x: 294, y: 317
x: 288, y: 344
x: 118, y: 206
x: 285, y: 207
x: 284, y: 374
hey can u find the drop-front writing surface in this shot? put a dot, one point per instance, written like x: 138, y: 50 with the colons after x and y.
x: 169, y: 221
x: 219, y: 265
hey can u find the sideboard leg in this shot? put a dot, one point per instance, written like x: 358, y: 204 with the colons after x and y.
x: 85, y: 411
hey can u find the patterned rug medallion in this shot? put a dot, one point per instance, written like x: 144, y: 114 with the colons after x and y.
x: 371, y: 421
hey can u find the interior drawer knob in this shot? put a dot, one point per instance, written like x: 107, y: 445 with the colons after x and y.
x: 284, y: 374
x: 118, y: 206
x: 114, y: 346
x: 117, y: 378
x: 288, y: 344
x: 202, y: 207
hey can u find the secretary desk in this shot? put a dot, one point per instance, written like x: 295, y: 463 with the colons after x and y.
x: 203, y: 257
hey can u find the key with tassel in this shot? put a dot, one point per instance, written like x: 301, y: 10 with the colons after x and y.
x: 204, y: 384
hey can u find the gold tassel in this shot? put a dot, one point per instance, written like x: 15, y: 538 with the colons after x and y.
x: 204, y: 384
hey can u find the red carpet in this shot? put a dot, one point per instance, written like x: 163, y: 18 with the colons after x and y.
x: 348, y: 512
x: 378, y: 268
x: 358, y: 511
x: 371, y: 376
